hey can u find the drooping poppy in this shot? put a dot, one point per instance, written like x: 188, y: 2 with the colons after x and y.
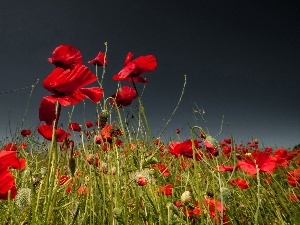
x: 100, y: 60
x: 66, y: 57
x: 123, y: 97
x: 133, y: 69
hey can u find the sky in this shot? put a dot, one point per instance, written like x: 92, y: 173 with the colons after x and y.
x: 241, y: 61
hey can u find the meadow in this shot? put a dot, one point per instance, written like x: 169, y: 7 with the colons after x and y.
x: 112, y: 170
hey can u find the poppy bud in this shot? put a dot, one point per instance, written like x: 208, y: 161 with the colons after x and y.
x: 72, y: 166
x: 103, y: 119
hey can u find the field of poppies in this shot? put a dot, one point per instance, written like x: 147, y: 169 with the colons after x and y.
x: 111, y: 170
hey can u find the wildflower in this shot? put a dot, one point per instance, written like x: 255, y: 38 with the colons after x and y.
x: 93, y: 159
x: 7, y: 182
x: 82, y: 190
x: 123, y: 97
x: 67, y: 86
x: 65, y: 56
x: 186, y: 149
x: 226, y: 149
x: 10, y: 147
x: 63, y: 179
x: 89, y: 124
x: 264, y: 162
x: 211, y: 145
x: 106, y: 132
x: 141, y: 178
x: 133, y: 69
x: 214, y: 206
x: 293, y: 197
x: 281, y: 157
x: 241, y: 183
x: 100, y: 60
x: 46, y: 131
x: 162, y: 168
x: 227, y: 140
x: 294, y: 178
x: 25, y: 133
x: 23, y: 198
x: 74, y: 127
x: 167, y: 189
x: 186, y: 197
x: 225, y: 168
x: 47, y: 111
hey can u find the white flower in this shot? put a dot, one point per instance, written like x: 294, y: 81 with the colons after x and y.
x: 186, y: 197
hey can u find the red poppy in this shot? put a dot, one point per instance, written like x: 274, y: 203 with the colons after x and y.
x: 82, y: 190
x: 67, y: 85
x: 74, y: 127
x: 281, y: 157
x: 294, y: 178
x: 211, y: 145
x: 162, y: 168
x: 93, y: 159
x: 167, y: 189
x: 133, y: 69
x: 186, y: 149
x: 46, y: 131
x: 241, y: 183
x: 7, y: 182
x: 263, y: 160
x: 226, y: 149
x: 106, y: 132
x: 47, y: 110
x: 100, y: 60
x: 227, y: 140
x: 9, y: 159
x: 293, y: 197
x: 63, y: 179
x: 123, y: 97
x: 141, y: 180
x: 89, y: 124
x: 225, y: 168
x: 214, y: 206
x: 10, y: 147
x: 66, y: 56
x: 25, y: 133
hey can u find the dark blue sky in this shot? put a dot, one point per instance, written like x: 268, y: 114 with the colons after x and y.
x: 241, y: 59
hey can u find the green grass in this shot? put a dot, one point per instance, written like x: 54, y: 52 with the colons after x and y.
x: 113, y: 183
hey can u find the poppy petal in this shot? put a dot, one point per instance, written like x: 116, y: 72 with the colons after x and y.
x: 61, y: 81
